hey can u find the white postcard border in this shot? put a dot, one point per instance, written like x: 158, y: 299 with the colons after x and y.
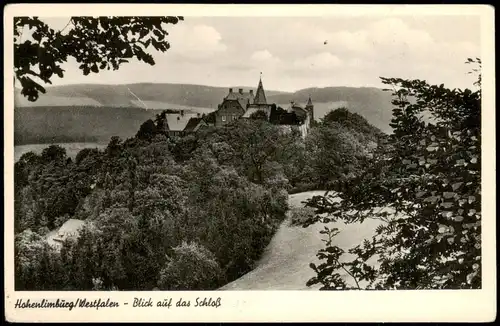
x: 380, y: 306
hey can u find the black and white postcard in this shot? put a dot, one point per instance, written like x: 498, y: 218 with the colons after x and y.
x: 222, y: 163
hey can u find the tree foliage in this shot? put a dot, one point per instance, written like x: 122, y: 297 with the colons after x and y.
x: 280, y: 116
x: 141, y: 200
x: 191, y: 267
x: 96, y: 43
x: 423, y: 184
x: 338, y: 148
x: 259, y: 115
x: 352, y: 121
x: 255, y: 148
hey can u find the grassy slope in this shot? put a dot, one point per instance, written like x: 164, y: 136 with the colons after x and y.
x: 285, y: 263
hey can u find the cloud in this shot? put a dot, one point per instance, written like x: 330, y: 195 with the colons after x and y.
x: 320, y: 61
x: 292, y: 54
x: 386, y: 40
x: 196, y: 42
x: 394, y: 32
x: 264, y: 59
x: 263, y: 55
x: 357, y: 42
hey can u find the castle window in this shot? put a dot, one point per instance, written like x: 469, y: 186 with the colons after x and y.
x: 223, y: 118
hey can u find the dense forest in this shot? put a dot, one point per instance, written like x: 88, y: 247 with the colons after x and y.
x: 185, y: 213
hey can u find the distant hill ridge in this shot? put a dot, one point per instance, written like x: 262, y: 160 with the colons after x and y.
x: 190, y: 95
x: 76, y: 112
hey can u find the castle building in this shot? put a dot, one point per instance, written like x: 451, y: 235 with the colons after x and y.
x: 310, y: 108
x: 259, y: 103
x: 304, y: 112
x: 242, y: 104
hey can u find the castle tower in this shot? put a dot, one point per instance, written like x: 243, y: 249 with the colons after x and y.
x: 258, y: 102
x: 310, y: 108
x: 260, y: 95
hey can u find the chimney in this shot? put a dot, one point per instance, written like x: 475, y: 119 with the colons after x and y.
x: 198, y: 114
x: 240, y: 90
x: 251, y: 92
x: 230, y: 90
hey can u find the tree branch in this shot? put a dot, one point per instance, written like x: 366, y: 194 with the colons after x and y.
x: 69, y: 22
x: 345, y: 269
x: 20, y: 40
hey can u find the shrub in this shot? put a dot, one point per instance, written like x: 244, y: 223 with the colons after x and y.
x: 258, y: 115
x: 191, y: 267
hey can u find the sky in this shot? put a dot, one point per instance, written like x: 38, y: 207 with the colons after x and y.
x: 291, y: 52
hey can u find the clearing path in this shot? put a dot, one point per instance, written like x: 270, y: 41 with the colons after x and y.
x: 285, y: 262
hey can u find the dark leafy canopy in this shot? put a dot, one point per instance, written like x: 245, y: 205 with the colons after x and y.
x: 338, y: 147
x: 427, y: 177
x: 156, y: 216
x: 97, y: 43
x: 259, y: 115
x: 352, y: 121
x: 280, y: 116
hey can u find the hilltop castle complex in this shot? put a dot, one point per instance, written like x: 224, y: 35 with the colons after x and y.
x: 242, y: 104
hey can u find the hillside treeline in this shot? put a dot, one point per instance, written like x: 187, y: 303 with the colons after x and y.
x: 190, y: 213
x: 38, y: 125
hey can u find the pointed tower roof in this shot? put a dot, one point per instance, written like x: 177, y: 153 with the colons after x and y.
x: 260, y: 95
x: 309, y: 102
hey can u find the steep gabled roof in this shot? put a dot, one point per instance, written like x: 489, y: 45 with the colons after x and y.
x: 242, y: 104
x: 193, y: 123
x: 177, y: 122
x: 260, y: 95
x: 296, y: 106
x: 239, y: 96
x: 309, y: 102
x: 243, y: 98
